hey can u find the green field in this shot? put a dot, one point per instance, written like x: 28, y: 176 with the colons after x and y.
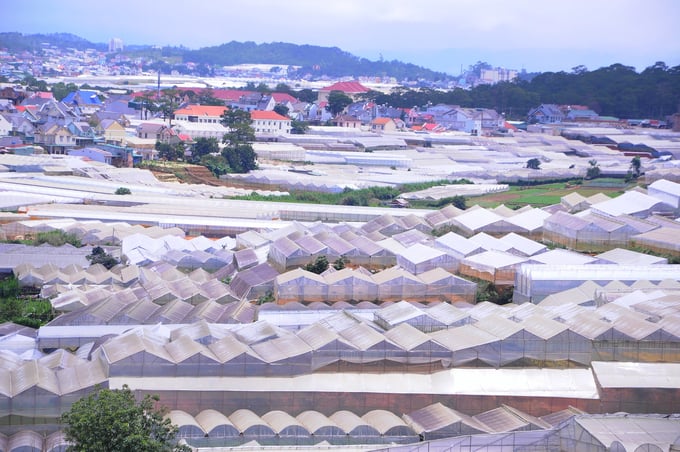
x: 543, y: 195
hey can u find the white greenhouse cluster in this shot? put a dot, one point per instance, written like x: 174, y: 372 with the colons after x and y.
x: 275, y: 325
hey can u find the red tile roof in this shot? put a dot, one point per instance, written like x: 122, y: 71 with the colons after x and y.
x: 347, y: 87
x: 261, y: 114
x: 283, y: 97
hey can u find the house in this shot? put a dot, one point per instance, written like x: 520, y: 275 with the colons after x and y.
x: 471, y: 120
x: 347, y: 121
x: 111, y: 130
x: 14, y: 93
x: 352, y: 88
x: 59, y: 112
x: 200, y: 113
x: 101, y: 115
x: 21, y: 126
x: 55, y: 137
x: 317, y: 112
x: 38, y: 98
x: 270, y: 122
x: 6, y: 106
x: 254, y: 101
x: 5, y: 127
x: 581, y: 114
x: 84, y: 133
x: 158, y: 131
x: 87, y: 101
x: 381, y: 125
x: 546, y: 114
x: 284, y: 99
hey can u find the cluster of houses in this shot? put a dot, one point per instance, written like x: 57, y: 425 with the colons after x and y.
x: 89, y: 119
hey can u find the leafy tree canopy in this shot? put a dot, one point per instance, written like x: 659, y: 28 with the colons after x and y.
x: 239, y: 124
x: 202, y: 147
x: 100, y: 256
x: 111, y: 420
x: 534, y: 164
x: 337, y: 102
x: 319, y: 265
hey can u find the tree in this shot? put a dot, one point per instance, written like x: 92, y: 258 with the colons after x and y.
x: 148, y: 105
x: 241, y: 158
x: 635, y: 166
x: 112, y: 420
x: 337, y: 102
x: 459, y: 202
x: 281, y: 109
x: 123, y: 191
x: 340, y: 263
x: 217, y: 164
x: 168, y: 103
x: 100, y: 256
x: 239, y: 124
x: 170, y: 152
x: 306, y: 95
x: 319, y: 266
x: 207, y: 97
x: 202, y: 147
x: 534, y: 164
x: 61, y: 90
x: 594, y: 170
x: 298, y: 127
x: 238, y: 151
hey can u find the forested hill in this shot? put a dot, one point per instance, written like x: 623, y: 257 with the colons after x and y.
x: 316, y: 60
x: 330, y: 61
x: 17, y: 42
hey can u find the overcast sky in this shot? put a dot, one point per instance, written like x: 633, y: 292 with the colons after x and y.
x: 444, y: 35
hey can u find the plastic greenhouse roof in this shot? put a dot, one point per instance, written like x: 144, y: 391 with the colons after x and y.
x: 570, y: 383
x: 477, y: 218
x: 399, y: 312
x: 459, y: 244
x: 600, y: 272
x: 562, y: 257
x: 494, y: 259
x: 623, y: 256
x: 437, y: 416
x: 630, y: 202
x: 632, y: 432
x: 637, y: 375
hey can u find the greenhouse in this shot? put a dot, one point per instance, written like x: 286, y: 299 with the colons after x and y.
x: 476, y: 220
x: 497, y: 267
x: 351, y: 285
x: 633, y: 203
x: 529, y: 223
x: 621, y: 256
x: 457, y: 246
x: 587, y: 233
x: 662, y: 240
x: 420, y: 258
x: 535, y: 282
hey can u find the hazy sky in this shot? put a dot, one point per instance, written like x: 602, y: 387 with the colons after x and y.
x: 537, y: 35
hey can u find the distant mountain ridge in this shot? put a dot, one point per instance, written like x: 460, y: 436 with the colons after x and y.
x: 18, y: 42
x: 314, y: 60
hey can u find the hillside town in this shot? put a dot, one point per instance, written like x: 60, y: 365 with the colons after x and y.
x: 446, y: 313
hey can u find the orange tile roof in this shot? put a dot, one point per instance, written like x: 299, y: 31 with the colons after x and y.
x: 201, y: 110
x: 262, y: 114
x: 382, y: 121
